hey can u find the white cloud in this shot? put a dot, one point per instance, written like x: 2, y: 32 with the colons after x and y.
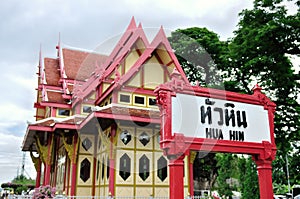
x: 13, y: 114
x: 219, y: 16
x: 82, y: 23
x: 11, y: 158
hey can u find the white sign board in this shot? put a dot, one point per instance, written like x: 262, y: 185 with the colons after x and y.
x: 202, y: 117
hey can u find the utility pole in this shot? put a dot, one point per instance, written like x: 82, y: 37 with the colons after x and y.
x: 23, y: 165
x: 287, y: 172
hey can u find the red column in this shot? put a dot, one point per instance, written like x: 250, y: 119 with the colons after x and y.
x: 176, y: 167
x: 111, y: 177
x: 73, y: 179
x: 111, y: 188
x: 38, y: 174
x: 264, y: 168
x: 47, y: 174
x: 74, y: 167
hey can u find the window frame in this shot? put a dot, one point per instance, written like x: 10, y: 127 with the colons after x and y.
x: 138, y: 104
x: 125, y: 94
x: 148, y: 102
x: 58, y: 114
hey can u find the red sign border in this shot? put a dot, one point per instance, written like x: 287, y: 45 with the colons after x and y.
x: 177, y: 146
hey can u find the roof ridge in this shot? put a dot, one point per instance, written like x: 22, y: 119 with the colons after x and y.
x: 127, y: 40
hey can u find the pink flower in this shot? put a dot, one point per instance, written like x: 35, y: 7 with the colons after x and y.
x: 44, y: 192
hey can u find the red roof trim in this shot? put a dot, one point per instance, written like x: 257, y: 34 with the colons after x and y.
x: 39, y: 128
x: 56, y: 105
x: 64, y: 126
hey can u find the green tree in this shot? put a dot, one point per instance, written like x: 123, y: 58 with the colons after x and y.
x: 20, y: 189
x: 19, y: 184
x: 205, y: 170
x: 248, y: 179
x: 259, y: 52
x: 21, y: 179
x: 225, y: 173
x: 198, y: 51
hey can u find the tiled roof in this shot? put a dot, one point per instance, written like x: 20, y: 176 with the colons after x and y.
x: 51, y: 71
x: 79, y: 65
x: 55, y: 97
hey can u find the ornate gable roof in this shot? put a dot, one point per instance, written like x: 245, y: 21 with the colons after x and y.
x: 91, y: 70
x: 127, y: 45
x: 132, y: 34
x: 160, y: 42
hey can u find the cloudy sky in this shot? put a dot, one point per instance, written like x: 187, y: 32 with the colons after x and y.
x: 24, y: 25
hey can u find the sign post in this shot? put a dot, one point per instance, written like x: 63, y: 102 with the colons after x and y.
x: 203, y: 119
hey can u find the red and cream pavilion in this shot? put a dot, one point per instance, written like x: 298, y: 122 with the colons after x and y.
x: 97, y: 127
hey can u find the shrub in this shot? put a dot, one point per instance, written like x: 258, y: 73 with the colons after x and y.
x: 44, y: 192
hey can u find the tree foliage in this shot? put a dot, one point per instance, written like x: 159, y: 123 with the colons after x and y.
x: 225, y: 173
x: 21, y: 179
x: 248, y: 178
x: 19, y: 184
x: 198, y: 51
x: 261, y: 50
x: 205, y: 170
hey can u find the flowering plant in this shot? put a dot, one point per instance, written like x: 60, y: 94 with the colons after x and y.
x: 44, y: 192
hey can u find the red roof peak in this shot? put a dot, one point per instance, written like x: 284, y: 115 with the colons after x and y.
x: 140, y: 25
x: 160, y: 36
x: 132, y: 24
x: 58, y: 44
x: 41, y: 73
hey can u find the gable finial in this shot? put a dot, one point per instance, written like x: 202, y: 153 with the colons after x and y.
x: 140, y: 26
x: 162, y: 31
x: 42, y: 76
x: 256, y: 89
x: 58, y: 44
x: 40, y: 57
x: 132, y: 24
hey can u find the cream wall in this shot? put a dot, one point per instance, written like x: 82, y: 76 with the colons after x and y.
x: 135, y: 150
